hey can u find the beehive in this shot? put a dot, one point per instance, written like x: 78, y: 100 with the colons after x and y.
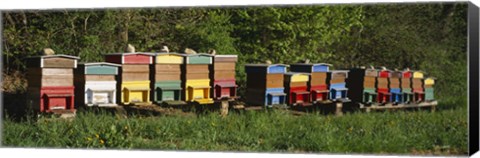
x: 50, y: 82
x: 195, y: 78
x: 406, y: 86
x: 428, y: 88
x: 133, y: 85
x: 223, y: 77
x: 362, y: 84
x: 383, y: 88
x: 167, y: 78
x: 296, y: 87
x: 417, y: 86
x: 96, y: 84
x: 317, y: 84
x: 265, y: 84
x: 395, y: 87
x: 337, y: 84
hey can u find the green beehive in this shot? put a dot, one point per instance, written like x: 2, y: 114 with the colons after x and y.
x: 428, y: 88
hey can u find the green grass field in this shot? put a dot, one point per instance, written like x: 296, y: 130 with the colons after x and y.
x: 442, y: 132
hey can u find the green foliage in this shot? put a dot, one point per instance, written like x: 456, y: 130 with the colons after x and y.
x: 290, y: 34
x: 273, y: 131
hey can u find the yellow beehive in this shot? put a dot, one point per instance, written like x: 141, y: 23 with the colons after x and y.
x: 135, y: 91
x: 169, y: 59
x: 417, y: 74
x: 429, y: 81
x: 299, y: 78
x: 198, y: 90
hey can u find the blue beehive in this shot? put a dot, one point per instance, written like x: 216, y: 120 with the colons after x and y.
x: 265, y: 84
x: 394, y: 85
x: 337, y: 84
x: 309, y: 68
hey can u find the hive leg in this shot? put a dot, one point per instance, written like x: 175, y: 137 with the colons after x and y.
x: 338, y: 110
x: 224, y: 108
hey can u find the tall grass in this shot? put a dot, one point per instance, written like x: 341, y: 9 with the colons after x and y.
x: 273, y: 131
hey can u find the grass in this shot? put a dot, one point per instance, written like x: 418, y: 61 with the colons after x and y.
x: 420, y: 132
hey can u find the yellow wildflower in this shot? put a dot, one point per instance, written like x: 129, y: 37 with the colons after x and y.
x: 89, y: 139
x: 96, y: 135
x: 101, y: 141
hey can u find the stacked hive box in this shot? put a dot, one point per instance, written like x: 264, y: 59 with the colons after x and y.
x: 297, y: 89
x: 96, y: 84
x: 428, y: 88
x: 265, y: 84
x: 417, y: 86
x: 166, y: 78
x: 195, y: 78
x: 383, y: 89
x: 133, y: 85
x: 362, y: 85
x: 337, y: 84
x: 50, y: 82
x: 395, y: 91
x: 406, y: 86
x: 223, y: 76
x: 317, y: 84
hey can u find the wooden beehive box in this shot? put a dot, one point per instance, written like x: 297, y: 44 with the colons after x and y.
x: 406, y: 81
x: 362, y: 85
x: 222, y: 77
x: 133, y: 85
x: 428, y: 88
x: 406, y: 86
x: 317, y: 84
x: 195, y: 78
x: 265, y: 84
x: 417, y: 86
x: 296, y: 87
x: 395, y: 86
x: 383, y: 87
x: 96, y: 84
x: 50, y: 82
x: 337, y: 84
x: 167, y: 78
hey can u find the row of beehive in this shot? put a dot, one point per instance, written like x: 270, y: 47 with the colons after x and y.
x: 127, y: 78
x: 382, y: 86
x: 306, y: 84
x: 271, y: 84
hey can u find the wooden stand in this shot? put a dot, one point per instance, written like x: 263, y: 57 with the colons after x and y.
x: 65, y: 113
x: 171, y: 103
x: 432, y: 105
x: 332, y: 106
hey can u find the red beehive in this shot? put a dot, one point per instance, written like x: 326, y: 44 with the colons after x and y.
x: 406, y: 86
x: 296, y: 87
x: 50, y: 82
x: 222, y: 75
x: 383, y: 91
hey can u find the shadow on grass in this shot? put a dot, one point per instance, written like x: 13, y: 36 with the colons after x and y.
x: 14, y: 107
